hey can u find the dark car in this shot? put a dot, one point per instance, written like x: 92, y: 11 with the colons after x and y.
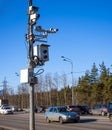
x: 40, y: 109
x: 73, y: 108
x: 61, y: 114
x: 109, y: 114
x: 110, y: 107
x: 84, y: 109
x: 80, y: 109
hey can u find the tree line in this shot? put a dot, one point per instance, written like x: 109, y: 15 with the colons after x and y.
x: 94, y: 87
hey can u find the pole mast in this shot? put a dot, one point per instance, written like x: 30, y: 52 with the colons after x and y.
x: 31, y: 85
x: 37, y: 56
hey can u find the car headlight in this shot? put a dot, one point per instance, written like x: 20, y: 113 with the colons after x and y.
x: 68, y: 116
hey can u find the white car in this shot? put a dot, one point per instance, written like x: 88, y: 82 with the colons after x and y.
x: 6, y: 110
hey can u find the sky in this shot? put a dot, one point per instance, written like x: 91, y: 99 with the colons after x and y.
x: 84, y: 36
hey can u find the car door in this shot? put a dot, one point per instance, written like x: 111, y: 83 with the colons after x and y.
x: 93, y: 110
x: 55, y: 114
x: 50, y: 114
x: 99, y: 110
x: 110, y: 107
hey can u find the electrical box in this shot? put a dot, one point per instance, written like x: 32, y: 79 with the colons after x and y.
x: 42, y: 52
x: 26, y: 76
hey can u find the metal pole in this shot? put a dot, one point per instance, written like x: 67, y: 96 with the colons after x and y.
x: 70, y: 61
x: 72, y: 83
x: 72, y: 79
x: 31, y: 86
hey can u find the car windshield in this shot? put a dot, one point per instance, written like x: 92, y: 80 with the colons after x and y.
x: 7, y: 107
x: 63, y: 109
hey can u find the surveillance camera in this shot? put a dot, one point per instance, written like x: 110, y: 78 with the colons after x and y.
x: 33, y: 16
x: 38, y: 28
x: 52, y: 30
x: 55, y: 30
x: 32, y: 9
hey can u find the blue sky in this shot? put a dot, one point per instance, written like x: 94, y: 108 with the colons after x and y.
x: 85, y: 35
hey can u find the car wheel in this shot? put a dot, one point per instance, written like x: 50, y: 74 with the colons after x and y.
x: 77, y: 121
x: 47, y: 120
x: 110, y: 117
x: 61, y: 120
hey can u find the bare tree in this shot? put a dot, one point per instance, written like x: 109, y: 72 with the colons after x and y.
x: 64, y: 83
x: 39, y: 99
x: 23, y: 96
x: 56, y: 85
x: 48, y: 84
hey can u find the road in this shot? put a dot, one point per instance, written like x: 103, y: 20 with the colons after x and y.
x: 20, y: 121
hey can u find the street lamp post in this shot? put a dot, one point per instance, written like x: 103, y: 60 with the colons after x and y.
x: 70, y: 61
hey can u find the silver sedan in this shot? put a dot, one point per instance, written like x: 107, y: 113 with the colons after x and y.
x: 60, y: 114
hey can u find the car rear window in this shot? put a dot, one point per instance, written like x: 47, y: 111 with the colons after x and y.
x: 62, y: 109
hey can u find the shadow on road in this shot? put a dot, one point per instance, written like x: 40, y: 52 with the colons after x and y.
x: 3, y: 128
x: 87, y: 120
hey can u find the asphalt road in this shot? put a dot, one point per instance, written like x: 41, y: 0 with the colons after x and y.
x: 20, y: 121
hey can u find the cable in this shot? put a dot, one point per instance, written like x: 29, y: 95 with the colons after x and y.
x: 40, y: 71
